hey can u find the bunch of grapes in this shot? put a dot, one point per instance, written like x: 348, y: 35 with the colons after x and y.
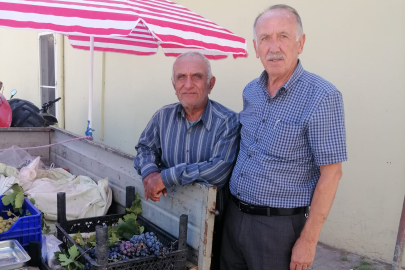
x: 5, y: 224
x: 148, y: 244
x: 138, y: 246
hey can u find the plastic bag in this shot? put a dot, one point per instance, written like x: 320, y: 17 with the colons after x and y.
x: 29, y: 173
x: 50, y: 245
x: 6, y: 183
x: 16, y: 157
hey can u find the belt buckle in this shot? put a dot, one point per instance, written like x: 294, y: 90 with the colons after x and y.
x: 243, y: 204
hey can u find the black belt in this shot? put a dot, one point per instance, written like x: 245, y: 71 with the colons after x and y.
x: 268, y: 211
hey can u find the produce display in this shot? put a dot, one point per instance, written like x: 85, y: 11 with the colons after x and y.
x: 126, y: 241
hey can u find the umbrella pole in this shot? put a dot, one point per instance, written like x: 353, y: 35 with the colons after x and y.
x: 89, y: 131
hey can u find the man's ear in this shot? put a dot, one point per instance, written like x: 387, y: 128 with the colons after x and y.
x: 301, y: 43
x: 211, y: 84
x: 256, y: 49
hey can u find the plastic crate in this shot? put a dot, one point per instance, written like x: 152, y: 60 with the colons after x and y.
x: 26, y: 228
x: 175, y: 260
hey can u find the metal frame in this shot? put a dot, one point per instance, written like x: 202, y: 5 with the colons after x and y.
x: 56, y: 70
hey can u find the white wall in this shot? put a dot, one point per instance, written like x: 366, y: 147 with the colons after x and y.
x: 356, y: 45
x: 19, y: 68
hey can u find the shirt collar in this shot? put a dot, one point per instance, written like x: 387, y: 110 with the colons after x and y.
x: 206, y: 116
x: 262, y: 82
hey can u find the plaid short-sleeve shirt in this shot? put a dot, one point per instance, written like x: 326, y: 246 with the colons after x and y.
x: 285, y: 140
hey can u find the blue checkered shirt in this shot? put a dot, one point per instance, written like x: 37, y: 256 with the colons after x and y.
x: 285, y: 139
x: 204, y: 152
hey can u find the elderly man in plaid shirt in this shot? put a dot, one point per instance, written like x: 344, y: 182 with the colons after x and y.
x: 292, y: 147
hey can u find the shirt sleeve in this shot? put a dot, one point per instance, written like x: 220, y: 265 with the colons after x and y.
x: 215, y: 171
x: 148, y: 149
x: 326, y: 132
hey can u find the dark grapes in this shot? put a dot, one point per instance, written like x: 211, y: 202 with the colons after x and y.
x: 138, y: 246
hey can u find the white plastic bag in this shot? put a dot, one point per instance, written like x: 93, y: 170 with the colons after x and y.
x: 29, y: 173
x: 50, y: 245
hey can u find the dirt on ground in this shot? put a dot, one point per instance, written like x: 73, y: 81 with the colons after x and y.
x: 328, y: 258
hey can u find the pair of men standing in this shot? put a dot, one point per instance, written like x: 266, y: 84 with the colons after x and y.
x: 292, y: 143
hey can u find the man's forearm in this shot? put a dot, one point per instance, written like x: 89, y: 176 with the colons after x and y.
x: 322, y: 201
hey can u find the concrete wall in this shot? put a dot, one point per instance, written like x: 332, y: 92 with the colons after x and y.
x: 357, y: 45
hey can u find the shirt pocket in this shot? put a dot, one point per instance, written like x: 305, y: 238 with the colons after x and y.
x: 288, y: 141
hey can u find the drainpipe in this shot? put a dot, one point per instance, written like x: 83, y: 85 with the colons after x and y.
x: 399, y: 247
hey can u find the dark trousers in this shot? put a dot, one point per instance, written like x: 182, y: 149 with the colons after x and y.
x: 223, y: 196
x: 252, y: 242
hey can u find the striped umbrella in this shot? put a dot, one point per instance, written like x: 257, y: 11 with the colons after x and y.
x: 127, y: 26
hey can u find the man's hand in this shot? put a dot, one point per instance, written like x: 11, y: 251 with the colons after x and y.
x: 304, y: 249
x: 303, y: 254
x: 154, y: 187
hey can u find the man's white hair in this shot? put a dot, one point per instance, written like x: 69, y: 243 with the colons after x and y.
x: 191, y: 53
x: 300, y: 30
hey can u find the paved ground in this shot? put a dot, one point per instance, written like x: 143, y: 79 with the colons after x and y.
x: 327, y: 258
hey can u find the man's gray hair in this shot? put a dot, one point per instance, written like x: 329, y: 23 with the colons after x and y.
x: 300, y: 29
x: 191, y: 53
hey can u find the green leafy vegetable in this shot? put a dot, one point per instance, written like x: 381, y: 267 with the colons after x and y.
x: 69, y: 261
x: 16, y: 199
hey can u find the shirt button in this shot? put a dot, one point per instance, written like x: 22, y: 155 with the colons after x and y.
x: 238, y: 194
x: 241, y: 175
x: 264, y: 120
x: 249, y: 156
x: 187, y: 151
x: 257, y: 140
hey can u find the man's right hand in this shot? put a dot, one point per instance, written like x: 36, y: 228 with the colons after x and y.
x: 148, y: 183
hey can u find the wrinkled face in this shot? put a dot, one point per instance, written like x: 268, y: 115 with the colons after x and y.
x: 190, y: 82
x: 277, y: 45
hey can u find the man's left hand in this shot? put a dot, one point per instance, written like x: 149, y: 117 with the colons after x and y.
x: 154, y: 188
x: 303, y: 254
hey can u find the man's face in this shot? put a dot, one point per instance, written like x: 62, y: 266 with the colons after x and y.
x: 277, y: 45
x: 190, y: 82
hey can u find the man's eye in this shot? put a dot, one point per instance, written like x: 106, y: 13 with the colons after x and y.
x: 197, y: 76
x: 179, y: 77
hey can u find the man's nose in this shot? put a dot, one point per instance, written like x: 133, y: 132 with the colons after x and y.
x: 188, y: 83
x: 274, y: 45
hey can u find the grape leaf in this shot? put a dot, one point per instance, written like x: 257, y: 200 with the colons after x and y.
x: 7, y: 199
x: 73, y: 252
x: 19, y: 200
x: 141, y: 229
x: 64, y: 260
x: 91, y: 241
x: 128, y: 216
x: 16, y: 188
x: 78, y: 239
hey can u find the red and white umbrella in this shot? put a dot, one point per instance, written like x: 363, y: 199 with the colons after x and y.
x: 128, y: 26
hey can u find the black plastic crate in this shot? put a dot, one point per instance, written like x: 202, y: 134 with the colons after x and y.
x: 175, y: 260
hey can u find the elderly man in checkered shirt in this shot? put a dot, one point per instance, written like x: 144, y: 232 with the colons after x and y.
x: 292, y: 147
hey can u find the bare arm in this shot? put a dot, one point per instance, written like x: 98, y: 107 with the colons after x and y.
x: 304, y: 249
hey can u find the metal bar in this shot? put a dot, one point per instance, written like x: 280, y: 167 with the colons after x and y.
x: 130, y: 196
x: 183, y: 232
x: 102, y: 246
x: 61, y: 208
x: 399, y: 247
